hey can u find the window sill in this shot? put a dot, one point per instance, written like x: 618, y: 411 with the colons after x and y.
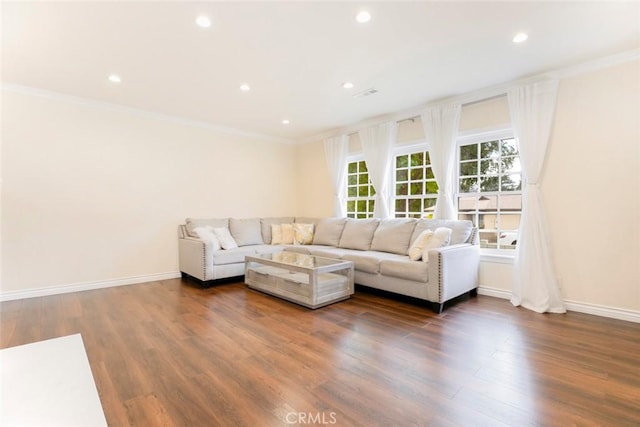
x: 496, y: 257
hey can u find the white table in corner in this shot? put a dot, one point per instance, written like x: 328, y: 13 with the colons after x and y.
x: 308, y: 280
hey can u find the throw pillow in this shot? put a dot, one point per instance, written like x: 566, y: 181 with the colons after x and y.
x: 287, y: 234
x: 202, y: 222
x: 302, y: 234
x: 276, y: 234
x: 460, y: 229
x: 266, y: 223
x: 441, y: 237
x: 415, y: 251
x: 225, y: 238
x: 206, y: 234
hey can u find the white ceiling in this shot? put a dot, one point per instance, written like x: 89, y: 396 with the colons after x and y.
x: 296, y: 55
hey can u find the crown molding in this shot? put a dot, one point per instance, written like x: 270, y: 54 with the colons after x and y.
x: 58, y: 96
x: 484, y: 94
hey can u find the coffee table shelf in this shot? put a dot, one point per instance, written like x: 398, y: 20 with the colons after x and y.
x: 307, y: 280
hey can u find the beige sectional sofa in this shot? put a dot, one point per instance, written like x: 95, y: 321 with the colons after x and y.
x: 378, y: 248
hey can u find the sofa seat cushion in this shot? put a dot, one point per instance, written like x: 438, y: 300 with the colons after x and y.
x: 405, y: 269
x: 326, y: 251
x: 368, y: 261
x: 233, y: 256
x: 299, y: 249
x: 267, y: 249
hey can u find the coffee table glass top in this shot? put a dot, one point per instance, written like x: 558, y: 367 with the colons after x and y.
x: 297, y: 259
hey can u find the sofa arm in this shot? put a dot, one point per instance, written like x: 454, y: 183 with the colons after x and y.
x: 195, y: 258
x: 454, y: 270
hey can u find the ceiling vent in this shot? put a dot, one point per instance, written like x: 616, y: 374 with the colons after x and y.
x: 366, y: 92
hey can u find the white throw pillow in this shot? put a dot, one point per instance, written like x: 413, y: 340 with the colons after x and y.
x: 206, y: 234
x: 287, y: 234
x: 415, y: 251
x: 302, y: 234
x: 441, y: 237
x: 225, y: 238
x: 276, y: 234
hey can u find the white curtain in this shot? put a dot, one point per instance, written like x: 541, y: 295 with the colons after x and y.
x: 441, y: 129
x: 335, y: 151
x: 532, y: 109
x: 377, y: 146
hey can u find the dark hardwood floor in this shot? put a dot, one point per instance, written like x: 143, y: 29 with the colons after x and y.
x: 169, y: 353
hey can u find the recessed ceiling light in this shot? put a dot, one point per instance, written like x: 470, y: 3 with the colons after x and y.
x: 245, y: 87
x: 363, y: 16
x: 114, y: 78
x: 520, y: 37
x: 347, y: 85
x: 203, y: 21
x: 285, y: 122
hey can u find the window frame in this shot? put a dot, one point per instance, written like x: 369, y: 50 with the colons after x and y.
x: 477, y: 138
x: 406, y: 150
x: 355, y: 158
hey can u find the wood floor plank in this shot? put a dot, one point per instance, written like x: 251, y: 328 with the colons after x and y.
x: 172, y: 353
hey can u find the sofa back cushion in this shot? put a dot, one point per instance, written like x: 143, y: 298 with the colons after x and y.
x: 460, y: 229
x: 246, y: 231
x: 358, y: 233
x: 328, y: 231
x: 393, y: 235
x: 307, y: 220
x: 265, y: 224
x: 203, y: 222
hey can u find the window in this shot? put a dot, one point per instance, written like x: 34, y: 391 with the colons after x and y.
x: 360, y: 191
x: 416, y: 189
x: 489, y: 190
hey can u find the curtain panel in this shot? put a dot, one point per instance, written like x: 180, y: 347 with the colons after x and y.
x: 441, y: 129
x: 336, y: 150
x: 377, y: 146
x: 532, y: 108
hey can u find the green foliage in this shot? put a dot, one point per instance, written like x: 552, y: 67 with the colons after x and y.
x: 494, y: 162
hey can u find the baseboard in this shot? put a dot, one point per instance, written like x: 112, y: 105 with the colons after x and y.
x: 604, y: 311
x: 494, y: 292
x: 86, y: 286
x: 580, y: 307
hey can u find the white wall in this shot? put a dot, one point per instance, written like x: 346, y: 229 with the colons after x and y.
x: 314, y: 190
x: 94, y: 194
x: 591, y: 185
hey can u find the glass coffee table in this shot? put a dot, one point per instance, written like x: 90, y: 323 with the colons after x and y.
x: 307, y: 280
